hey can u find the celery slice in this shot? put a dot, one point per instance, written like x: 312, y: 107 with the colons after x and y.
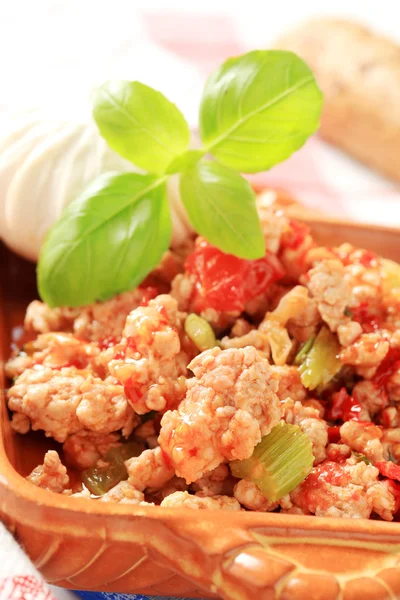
x: 200, y: 332
x: 390, y: 271
x: 304, y: 350
x: 322, y: 362
x: 279, y: 463
x: 100, y: 480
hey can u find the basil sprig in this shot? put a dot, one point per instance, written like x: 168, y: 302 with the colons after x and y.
x: 256, y: 110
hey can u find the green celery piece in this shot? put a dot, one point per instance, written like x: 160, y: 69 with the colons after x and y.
x: 361, y: 457
x: 279, y: 463
x: 390, y: 271
x: 200, y: 332
x: 100, y: 480
x: 322, y: 362
x: 304, y: 350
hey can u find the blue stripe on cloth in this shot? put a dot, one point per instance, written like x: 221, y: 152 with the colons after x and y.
x: 109, y: 596
x: 114, y: 596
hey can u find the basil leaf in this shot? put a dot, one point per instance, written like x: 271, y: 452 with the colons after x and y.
x: 106, y: 241
x: 221, y: 206
x: 258, y: 108
x: 185, y: 161
x: 140, y: 124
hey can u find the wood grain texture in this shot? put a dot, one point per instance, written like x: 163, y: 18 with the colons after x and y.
x: 78, y: 543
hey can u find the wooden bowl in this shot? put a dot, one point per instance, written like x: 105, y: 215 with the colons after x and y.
x: 84, y: 544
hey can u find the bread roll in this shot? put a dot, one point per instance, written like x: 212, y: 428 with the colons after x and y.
x: 359, y: 74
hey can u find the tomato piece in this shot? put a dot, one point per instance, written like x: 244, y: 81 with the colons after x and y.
x: 334, y: 434
x: 344, y: 407
x: 107, y: 342
x: 395, y: 489
x: 389, y: 366
x: 368, y: 258
x: 225, y: 282
x: 149, y: 293
x: 388, y: 469
x: 295, y: 236
x: 369, y: 320
x: 133, y: 394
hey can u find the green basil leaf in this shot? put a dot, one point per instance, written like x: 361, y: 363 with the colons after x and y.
x: 185, y: 161
x: 106, y: 241
x: 258, y: 108
x: 141, y: 124
x: 221, y: 206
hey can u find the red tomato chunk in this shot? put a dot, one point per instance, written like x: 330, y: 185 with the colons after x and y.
x: 344, y: 407
x: 225, y: 282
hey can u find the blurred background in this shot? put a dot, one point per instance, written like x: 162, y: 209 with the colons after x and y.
x: 54, y: 52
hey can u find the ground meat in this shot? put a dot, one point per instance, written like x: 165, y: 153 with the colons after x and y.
x: 368, y: 351
x: 256, y: 338
x: 393, y: 386
x: 382, y: 499
x: 199, y: 502
x: 147, y: 432
x: 258, y: 306
x: 149, y: 470
x: 317, y: 431
x: 371, y: 396
x: 42, y: 319
x: 214, y: 483
x: 51, y: 475
x: 294, y: 260
x: 391, y: 444
x: 84, y: 448
x: 349, y: 332
x: 249, y: 496
x: 333, y: 295
x: 365, y: 281
x: 273, y: 223
x: 149, y: 361
x: 124, y: 493
x: 389, y: 417
x: 337, y: 452
x: 20, y: 423
x: 176, y: 484
x: 289, y: 382
x: 94, y: 322
x: 305, y: 323
x: 230, y: 404
x: 337, y: 490
x: 308, y: 419
x: 66, y: 401
x: 54, y: 350
x: 364, y: 438
x: 240, y: 328
x: 104, y: 407
x: 172, y: 262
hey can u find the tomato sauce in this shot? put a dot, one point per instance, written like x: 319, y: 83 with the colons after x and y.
x: 344, y: 407
x: 388, y: 469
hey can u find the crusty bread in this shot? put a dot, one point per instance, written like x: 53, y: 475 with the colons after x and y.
x: 359, y: 74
